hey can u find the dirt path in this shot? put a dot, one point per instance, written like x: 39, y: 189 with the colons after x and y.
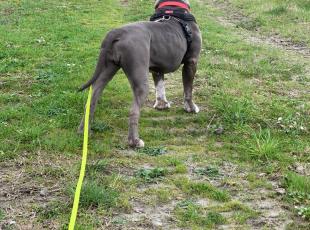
x: 233, y: 17
x: 28, y: 185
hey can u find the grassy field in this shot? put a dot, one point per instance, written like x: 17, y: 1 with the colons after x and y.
x: 243, y: 162
x: 288, y: 18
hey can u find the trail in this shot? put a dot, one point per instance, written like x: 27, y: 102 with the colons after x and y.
x: 232, y: 17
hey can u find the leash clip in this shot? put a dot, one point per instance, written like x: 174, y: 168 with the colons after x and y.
x: 163, y: 18
x: 166, y: 17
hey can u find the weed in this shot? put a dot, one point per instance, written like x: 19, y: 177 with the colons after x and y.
x: 171, y: 161
x: 2, y: 215
x: 204, y: 189
x: 45, y: 76
x: 94, y: 195
x: 153, y: 151
x: 250, y: 23
x: 241, y: 212
x: 255, y: 181
x: 262, y: 146
x: 190, y: 214
x: 119, y: 221
x: 100, y: 127
x: 298, y: 197
x: 151, y: 174
x: 304, y: 212
x: 278, y: 10
x: 162, y: 195
x: 297, y: 183
x: 54, y: 172
x: 123, y: 203
x: 234, y: 111
x: 56, y: 111
x: 180, y: 168
x: 293, y: 124
x: 52, y: 210
x: 98, y: 166
x: 207, y: 171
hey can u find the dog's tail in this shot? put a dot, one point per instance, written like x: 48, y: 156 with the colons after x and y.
x: 99, y: 69
x: 106, y: 52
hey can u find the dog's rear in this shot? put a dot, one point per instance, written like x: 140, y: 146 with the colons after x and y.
x: 107, y: 58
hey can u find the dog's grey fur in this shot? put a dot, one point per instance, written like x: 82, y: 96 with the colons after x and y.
x: 137, y: 48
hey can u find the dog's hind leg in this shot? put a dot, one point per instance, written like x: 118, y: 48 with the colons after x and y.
x: 98, y: 87
x: 138, y: 79
x: 161, y: 100
x: 188, y: 74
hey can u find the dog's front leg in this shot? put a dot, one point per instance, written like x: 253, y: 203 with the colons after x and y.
x: 161, y: 100
x: 188, y: 74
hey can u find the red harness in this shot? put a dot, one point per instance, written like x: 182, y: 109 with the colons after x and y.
x: 172, y: 3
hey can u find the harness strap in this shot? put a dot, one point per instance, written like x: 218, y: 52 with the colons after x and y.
x: 185, y: 27
x: 174, y: 3
x: 175, y: 12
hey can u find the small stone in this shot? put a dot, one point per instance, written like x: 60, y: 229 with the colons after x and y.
x: 280, y: 191
x: 12, y: 222
x: 273, y: 214
x: 157, y: 222
x: 219, y: 130
x: 300, y: 169
x: 218, y: 144
x: 139, y: 210
x: 44, y: 192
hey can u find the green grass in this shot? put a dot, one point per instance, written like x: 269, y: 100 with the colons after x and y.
x: 2, y: 215
x: 203, y: 189
x: 53, y: 210
x: 153, y: 151
x: 298, y: 193
x: 289, y: 18
x: 234, y: 111
x: 207, y: 171
x: 240, y: 212
x: 304, y: 212
x: 161, y: 195
x: 94, y: 195
x: 297, y: 183
x: 263, y: 146
x: 191, y: 215
x: 98, y: 166
x: 151, y: 174
x: 254, y: 119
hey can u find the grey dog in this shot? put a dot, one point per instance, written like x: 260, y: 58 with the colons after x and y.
x: 140, y: 48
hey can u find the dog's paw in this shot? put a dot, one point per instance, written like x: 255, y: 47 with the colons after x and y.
x: 136, y: 143
x: 191, y: 107
x: 161, y: 105
x: 80, y: 130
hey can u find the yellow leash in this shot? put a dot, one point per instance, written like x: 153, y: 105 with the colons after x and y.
x: 83, y: 165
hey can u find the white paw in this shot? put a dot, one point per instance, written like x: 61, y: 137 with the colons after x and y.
x: 191, y: 109
x: 196, y: 109
x: 160, y: 105
x: 137, y: 143
x: 140, y: 144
